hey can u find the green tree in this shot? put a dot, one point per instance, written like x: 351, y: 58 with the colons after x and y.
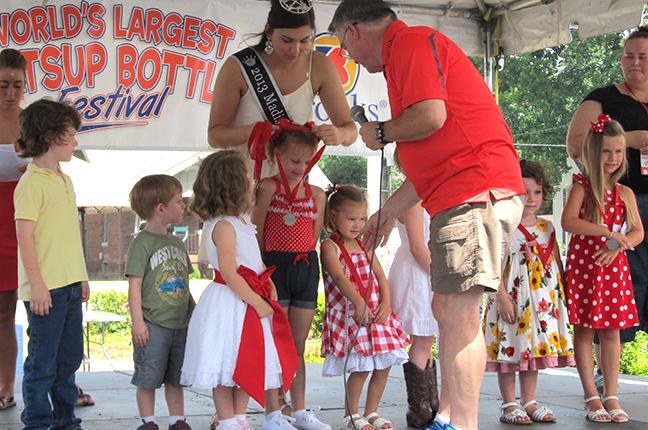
x: 540, y: 91
x: 349, y: 170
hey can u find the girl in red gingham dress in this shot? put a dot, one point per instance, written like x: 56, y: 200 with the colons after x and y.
x: 289, y: 214
x: 381, y: 339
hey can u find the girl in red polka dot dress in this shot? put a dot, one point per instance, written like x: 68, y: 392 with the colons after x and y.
x: 289, y: 214
x: 603, y: 218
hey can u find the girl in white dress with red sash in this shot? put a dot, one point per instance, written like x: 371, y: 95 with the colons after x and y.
x: 381, y: 339
x: 230, y: 343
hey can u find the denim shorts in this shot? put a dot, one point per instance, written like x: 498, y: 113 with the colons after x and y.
x: 296, y: 278
x: 469, y: 242
x: 160, y: 360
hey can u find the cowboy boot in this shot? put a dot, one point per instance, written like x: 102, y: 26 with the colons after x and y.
x: 433, y: 388
x: 418, y: 404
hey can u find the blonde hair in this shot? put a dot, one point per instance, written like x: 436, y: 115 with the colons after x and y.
x: 338, y: 199
x: 591, y: 159
x: 150, y: 191
x: 222, y: 186
x: 302, y: 138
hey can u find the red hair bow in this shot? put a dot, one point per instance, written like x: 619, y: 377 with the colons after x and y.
x: 597, y: 127
x: 333, y: 187
x: 262, y: 133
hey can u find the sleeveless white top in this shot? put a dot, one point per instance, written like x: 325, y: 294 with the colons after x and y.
x: 299, y: 104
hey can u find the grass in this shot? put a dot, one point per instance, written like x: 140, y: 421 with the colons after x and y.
x: 119, y: 347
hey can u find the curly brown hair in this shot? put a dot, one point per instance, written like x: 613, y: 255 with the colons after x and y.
x: 222, y: 186
x: 534, y: 170
x: 42, y: 123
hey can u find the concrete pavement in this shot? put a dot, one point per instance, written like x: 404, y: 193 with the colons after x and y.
x: 559, y: 389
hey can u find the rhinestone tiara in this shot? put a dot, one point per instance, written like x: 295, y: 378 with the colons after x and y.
x: 296, y: 6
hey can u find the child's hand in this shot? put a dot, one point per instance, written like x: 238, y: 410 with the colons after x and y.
x: 40, y: 300
x: 85, y: 291
x: 140, y: 333
x: 273, y: 292
x: 605, y: 256
x: 381, y: 313
x: 358, y: 315
x: 624, y: 242
x: 507, y: 310
x: 263, y: 309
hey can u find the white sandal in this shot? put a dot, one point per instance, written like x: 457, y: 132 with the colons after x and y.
x: 539, y: 414
x: 379, y: 422
x: 593, y: 415
x: 359, y: 422
x: 615, y: 412
x: 511, y: 416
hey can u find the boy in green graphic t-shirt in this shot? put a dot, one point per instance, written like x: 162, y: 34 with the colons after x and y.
x: 160, y: 303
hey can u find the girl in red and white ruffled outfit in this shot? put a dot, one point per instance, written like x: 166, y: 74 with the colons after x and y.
x: 381, y: 339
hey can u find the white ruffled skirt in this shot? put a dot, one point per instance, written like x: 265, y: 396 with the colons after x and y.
x: 213, y: 340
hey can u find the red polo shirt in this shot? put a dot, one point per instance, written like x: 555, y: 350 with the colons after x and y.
x: 471, y: 158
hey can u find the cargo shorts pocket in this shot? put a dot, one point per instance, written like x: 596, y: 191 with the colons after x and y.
x: 454, y: 250
x: 139, y: 355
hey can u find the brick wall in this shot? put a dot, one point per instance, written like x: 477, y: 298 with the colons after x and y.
x: 107, y: 259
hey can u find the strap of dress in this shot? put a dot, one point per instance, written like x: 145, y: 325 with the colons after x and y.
x: 277, y: 185
x: 362, y: 289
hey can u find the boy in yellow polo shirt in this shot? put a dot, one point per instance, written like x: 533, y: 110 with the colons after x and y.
x: 52, y: 275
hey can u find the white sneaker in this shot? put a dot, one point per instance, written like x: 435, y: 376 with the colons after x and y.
x: 245, y: 424
x: 277, y: 421
x: 235, y: 426
x: 306, y: 420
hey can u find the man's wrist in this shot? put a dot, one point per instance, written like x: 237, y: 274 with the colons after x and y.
x: 379, y: 133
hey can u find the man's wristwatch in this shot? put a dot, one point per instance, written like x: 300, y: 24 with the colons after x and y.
x: 379, y: 133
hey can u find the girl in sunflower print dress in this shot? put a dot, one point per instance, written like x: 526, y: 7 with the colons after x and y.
x: 526, y: 324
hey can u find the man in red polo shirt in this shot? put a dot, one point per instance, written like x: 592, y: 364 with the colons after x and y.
x: 457, y: 153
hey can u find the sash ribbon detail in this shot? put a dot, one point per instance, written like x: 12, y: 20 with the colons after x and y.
x: 249, y: 373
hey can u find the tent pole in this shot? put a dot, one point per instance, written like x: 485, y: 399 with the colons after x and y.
x: 488, y: 64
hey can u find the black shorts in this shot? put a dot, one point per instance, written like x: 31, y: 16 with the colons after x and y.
x: 296, y: 278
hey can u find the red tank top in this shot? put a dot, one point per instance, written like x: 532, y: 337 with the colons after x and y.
x: 298, y: 237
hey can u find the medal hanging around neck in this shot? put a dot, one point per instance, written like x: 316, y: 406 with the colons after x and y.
x: 290, y: 218
x: 611, y: 243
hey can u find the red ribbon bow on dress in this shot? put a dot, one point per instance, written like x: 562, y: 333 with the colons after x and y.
x: 261, y: 135
x: 249, y: 373
x: 597, y: 127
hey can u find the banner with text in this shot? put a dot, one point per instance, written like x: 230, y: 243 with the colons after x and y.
x: 142, y: 75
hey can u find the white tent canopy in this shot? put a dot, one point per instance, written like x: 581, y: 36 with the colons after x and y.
x: 527, y: 25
